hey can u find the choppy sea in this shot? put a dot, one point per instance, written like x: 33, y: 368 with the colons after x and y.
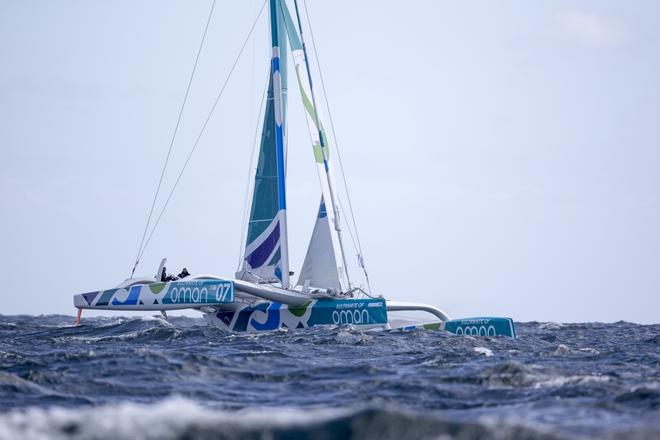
x: 136, y: 378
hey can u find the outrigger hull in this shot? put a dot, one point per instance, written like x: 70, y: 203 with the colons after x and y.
x: 484, y: 327
x: 174, y: 295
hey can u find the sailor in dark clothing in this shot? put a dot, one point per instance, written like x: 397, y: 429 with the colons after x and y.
x: 165, y: 277
x: 184, y: 273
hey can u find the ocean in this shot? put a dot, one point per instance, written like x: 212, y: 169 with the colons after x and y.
x: 146, y: 378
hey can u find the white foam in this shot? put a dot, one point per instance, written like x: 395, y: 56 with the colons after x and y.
x: 121, y: 337
x: 351, y: 335
x: 485, y: 351
x: 168, y: 419
x: 562, y: 350
x: 590, y: 350
x: 560, y: 381
x: 159, y: 319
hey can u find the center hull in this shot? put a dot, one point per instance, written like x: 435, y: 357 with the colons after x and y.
x: 268, y: 316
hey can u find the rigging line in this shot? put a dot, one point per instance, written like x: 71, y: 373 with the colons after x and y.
x: 246, y: 206
x: 350, y: 233
x: 176, y: 129
x: 251, y: 142
x: 334, y: 137
x: 201, y: 132
x: 359, y: 255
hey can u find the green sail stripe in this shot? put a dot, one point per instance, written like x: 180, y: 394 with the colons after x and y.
x: 309, y: 107
x: 296, y: 44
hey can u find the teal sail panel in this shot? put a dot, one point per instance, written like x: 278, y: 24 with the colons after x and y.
x: 266, y: 255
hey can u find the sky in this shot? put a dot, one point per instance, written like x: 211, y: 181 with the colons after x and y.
x: 502, y: 157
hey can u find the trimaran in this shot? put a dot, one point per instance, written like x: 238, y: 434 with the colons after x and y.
x: 261, y: 296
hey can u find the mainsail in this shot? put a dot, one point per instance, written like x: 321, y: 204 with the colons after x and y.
x: 265, y: 258
x: 266, y: 252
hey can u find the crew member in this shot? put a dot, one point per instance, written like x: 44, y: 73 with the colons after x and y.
x: 165, y: 277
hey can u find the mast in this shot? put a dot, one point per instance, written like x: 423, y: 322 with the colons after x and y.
x: 279, y: 140
x: 324, y: 152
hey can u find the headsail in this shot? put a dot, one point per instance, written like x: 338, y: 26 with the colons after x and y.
x: 320, y: 266
x: 322, y: 157
x: 266, y: 251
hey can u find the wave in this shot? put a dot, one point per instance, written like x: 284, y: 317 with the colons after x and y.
x: 643, y: 397
x: 180, y: 418
x: 107, y: 379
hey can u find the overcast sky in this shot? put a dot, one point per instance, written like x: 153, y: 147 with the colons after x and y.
x: 503, y: 157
